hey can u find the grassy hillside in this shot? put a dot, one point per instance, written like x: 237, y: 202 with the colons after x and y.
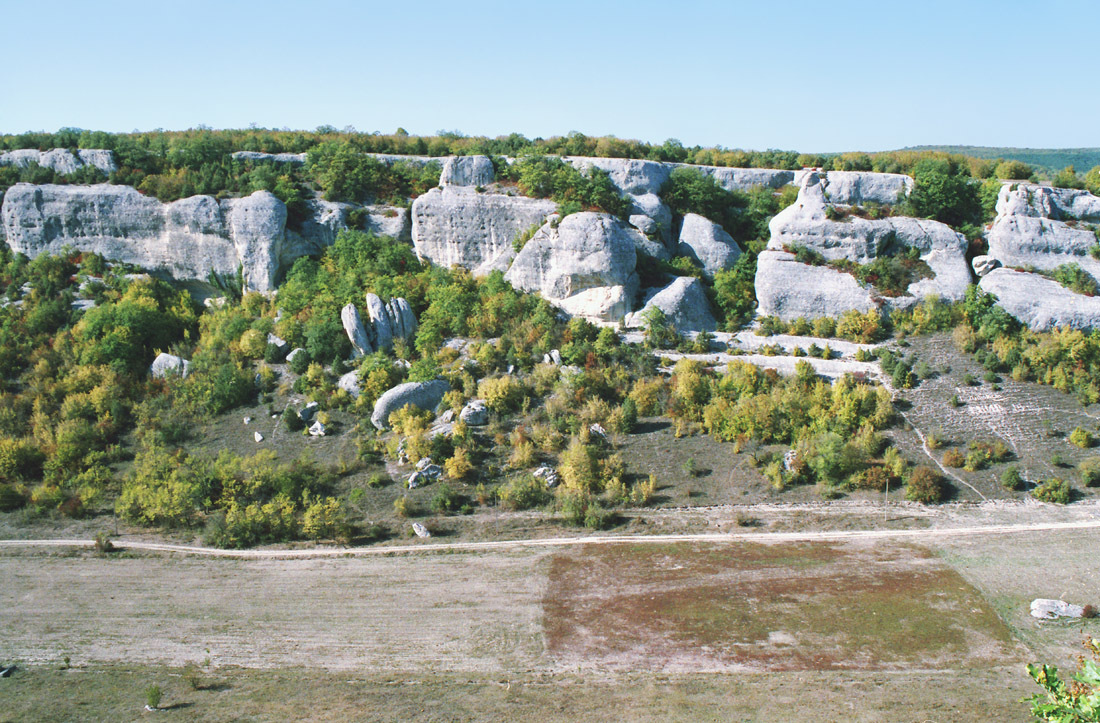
x: 1053, y: 159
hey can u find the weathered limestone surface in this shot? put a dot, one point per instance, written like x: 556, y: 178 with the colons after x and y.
x: 856, y: 188
x: 61, y: 160
x: 457, y: 226
x: 426, y: 395
x: 684, y: 304
x: 1044, y: 227
x: 707, y: 243
x: 1041, y: 303
x: 585, y: 265
x: 186, y: 239
x: 812, y: 291
x: 467, y: 171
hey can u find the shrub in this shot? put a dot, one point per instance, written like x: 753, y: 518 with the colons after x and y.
x: 459, y: 466
x: 524, y: 493
x: 502, y: 394
x: 300, y: 362
x: 953, y: 458
x: 1090, y: 472
x: 153, y: 696
x: 926, y: 486
x: 1055, y: 490
x: 325, y: 519
x: 1081, y: 437
x: 1011, y: 479
x: 446, y: 500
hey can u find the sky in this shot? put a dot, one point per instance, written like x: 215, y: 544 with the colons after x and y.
x: 806, y: 76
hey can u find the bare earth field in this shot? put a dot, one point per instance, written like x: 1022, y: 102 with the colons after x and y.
x: 933, y: 627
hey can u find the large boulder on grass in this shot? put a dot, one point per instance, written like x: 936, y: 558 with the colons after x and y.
x: 166, y: 365
x: 425, y: 395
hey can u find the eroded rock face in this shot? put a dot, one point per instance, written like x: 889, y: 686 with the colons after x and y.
x: 684, y: 304
x: 467, y: 171
x: 187, y: 239
x: 256, y: 157
x: 585, y: 265
x: 426, y: 395
x: 61, y: 160
x: 386, y: 322
x: 788, y: 289
x: 1044, y: 227
x: 650, y: 215
x: 630, y: 176
x: 1041, y: 303
x: 707, y: 243
x: 744, y: 179
x: 856, y: 188
x: 822, y: 290
x: 457, y: 226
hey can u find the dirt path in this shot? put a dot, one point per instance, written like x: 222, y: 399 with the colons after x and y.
x: 917, y: 535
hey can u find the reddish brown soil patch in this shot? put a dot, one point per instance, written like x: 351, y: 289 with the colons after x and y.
x: 766, y: 607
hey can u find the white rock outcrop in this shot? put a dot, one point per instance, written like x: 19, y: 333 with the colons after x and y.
x: 426, y: 395
x: 631, y: 176
x: 788, y: 292
x: 789, y: 289
x: 584, y: 265
x: 386, y: 322
x: 684, y: 304
x: 166, y: 365
x: 1045, y: 227
x: 187, y: 239
x: 257, y: 157
x: 745, y: 179
x: 457, y: 226
x: 1046, y: 609
x: 707, y: 243
x: 467, y: 171
x: 1041, y: 303
x: 62, y: 160
x: 857, y: 188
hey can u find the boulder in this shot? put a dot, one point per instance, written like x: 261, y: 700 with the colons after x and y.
x: 475, y: 413
x: 426, y: 395
x: 169, y: 365
x: 548, y: 475
x: 282, y: 347
x: 357, y: 333
x: 350, y: 384
x: 652, y: 216
x: 317, y: 429
x: 457, y: 226
x: 1046, y: 609
x: 402, y: 319
x: 684, y: 304
x: 307, y: 412
x: 553, y: 357
x: 984, y: 264
x: 585, y: 265
x: 380, y: 321
x: 420, y: 530
x: 467, y: 171
x: 1041, y: 303
x: 708, y: 244
x: 257, y: 437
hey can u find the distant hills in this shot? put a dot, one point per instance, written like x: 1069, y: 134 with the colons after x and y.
x: 1052, y: 159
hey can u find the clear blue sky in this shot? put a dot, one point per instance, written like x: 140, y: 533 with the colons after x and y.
x: 808, y: 76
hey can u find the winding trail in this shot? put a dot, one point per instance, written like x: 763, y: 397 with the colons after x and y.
x: 432, y: 547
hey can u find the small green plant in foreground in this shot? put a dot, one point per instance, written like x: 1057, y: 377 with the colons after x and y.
x: 153, y: 697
